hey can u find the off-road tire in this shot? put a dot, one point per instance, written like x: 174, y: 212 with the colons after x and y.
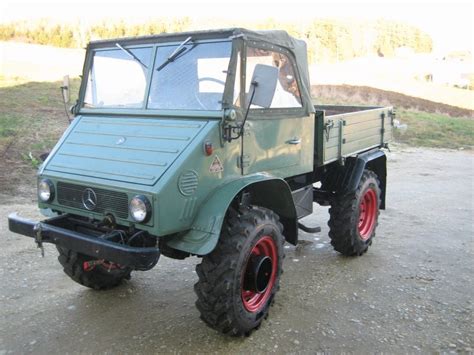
x: 345, y: 214
x: 221, y: 273
x: 99, y: 278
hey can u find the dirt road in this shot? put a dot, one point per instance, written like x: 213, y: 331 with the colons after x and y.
x: 413, y: 291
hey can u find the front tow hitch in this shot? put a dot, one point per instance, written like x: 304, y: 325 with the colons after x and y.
x: 60, y: 231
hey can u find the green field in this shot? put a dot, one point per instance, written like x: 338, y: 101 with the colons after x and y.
x: 32, y: 118
x: 435, y: 130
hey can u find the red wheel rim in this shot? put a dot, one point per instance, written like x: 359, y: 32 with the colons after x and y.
x: 367, y: 214
x: 266, y: 250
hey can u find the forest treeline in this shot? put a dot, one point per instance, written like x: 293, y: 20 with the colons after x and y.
x: 328, y: 40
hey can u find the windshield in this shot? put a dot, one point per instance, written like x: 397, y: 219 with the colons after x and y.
x: 192, y: 80
x: 118, y: 78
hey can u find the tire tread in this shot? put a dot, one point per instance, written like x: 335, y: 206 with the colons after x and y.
x: 214, y: 288
x: 344, y: 216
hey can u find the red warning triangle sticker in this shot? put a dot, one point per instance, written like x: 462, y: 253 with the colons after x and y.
x: 216, y: 166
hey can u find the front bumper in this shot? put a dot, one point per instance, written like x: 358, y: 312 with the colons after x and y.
x: 53, y: 231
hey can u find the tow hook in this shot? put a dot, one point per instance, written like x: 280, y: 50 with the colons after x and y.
x: 91, y: 264
x: 39, y: 238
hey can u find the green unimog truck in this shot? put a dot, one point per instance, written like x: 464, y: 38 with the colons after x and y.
x: 206, y: 144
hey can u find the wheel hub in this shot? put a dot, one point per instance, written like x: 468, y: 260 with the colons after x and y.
x: 259, y: 274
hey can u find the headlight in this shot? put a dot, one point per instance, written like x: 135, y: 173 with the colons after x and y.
x: 46, y: 190
x: 140, y: 208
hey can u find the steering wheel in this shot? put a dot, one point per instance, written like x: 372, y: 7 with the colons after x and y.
x: 196, y: 93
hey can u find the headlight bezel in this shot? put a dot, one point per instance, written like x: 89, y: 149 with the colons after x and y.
x: 50, y: 186
x: 146, y: 203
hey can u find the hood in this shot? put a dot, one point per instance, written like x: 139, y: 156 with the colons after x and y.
x: 130, y: 150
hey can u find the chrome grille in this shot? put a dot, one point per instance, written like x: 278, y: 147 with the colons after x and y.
x: 107, y: 201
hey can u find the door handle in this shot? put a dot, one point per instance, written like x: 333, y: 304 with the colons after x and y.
x: 294, y: 141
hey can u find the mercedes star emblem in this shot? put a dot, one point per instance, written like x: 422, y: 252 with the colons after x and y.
x: 121, y: 140
x: 89, y: 199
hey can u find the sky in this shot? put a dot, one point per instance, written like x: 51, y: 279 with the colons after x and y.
x: 450, y: 23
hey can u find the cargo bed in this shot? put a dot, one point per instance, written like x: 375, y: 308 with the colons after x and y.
x: 342, y: 131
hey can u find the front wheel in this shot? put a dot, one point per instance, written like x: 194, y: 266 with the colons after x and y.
x: 353, y: 218
x: 239, y: 279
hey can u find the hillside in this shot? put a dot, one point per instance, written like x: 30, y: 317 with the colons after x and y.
x: 364, y: 95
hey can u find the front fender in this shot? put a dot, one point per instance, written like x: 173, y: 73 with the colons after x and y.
x: 203, y: 236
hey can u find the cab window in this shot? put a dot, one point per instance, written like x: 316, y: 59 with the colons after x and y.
x: 194, y: 80
x: 118, y: 78
x: 287, y: 93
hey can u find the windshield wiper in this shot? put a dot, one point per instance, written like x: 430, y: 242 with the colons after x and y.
x: 131, y: 55
x: 178, y: 51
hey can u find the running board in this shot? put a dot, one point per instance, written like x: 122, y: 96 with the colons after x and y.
x: 309, y: 229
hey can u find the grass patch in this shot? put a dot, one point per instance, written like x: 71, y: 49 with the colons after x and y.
x: 32, y: 119
x: 435, y: 130
x: 9, y: 129
x: 29, y: 158
x: 8, y: 126
x: 32, y: 113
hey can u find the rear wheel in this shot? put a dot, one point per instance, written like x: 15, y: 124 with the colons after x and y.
x: 353, y: 218
x: 90, y: 272
x: 238, y: 280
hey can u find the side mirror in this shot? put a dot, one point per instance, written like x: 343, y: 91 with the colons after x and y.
x: 262, y: 90
x: 264, y: 82
x: 65, y: 90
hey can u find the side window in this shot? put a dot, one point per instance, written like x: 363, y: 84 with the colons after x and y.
x: 287, y: 93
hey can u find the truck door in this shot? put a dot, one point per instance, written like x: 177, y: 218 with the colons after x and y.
x: 274, y: 139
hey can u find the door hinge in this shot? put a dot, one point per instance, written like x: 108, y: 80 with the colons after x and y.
x: 245, y: 161
x: 341, y: 141
x: 327, y: 128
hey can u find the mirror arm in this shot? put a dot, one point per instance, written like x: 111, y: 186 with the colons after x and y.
x: 254, y: 85
x: 229, y: 129
x: 63, y: 88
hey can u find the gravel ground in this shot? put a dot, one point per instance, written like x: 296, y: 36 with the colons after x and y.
x: 412, y: 292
